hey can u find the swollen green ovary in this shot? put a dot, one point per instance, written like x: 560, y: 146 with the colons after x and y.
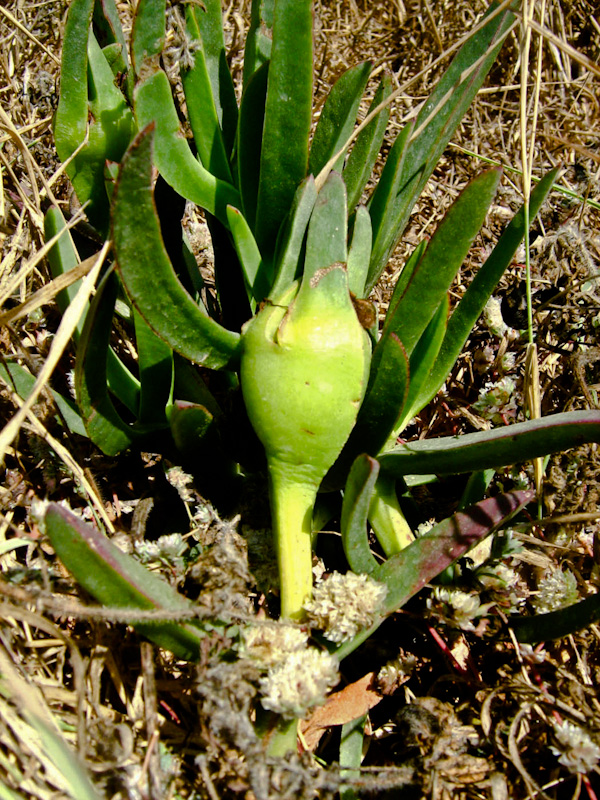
x: 303, y: 380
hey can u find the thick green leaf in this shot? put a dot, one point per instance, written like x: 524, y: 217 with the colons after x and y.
x: 111, y: 125
x: 22, y: 382
x: 173, y: 157
x: 290, y: 242
x: 407, y: 572
x: 155, y: 362
x: 149, y: 31
x: 355, y: 509
x: 422, y: 360
x: 70, y: 123
x: 210, y: 25
x: 201, y: 106
x: 435, y: 124
x: 351, y: 754
x: 386, y: 518
x: 249, y: 141
x: 360, y: 251
x: 117, y: 580
x: 256, y: 272
x: 62, y: 257
x: 259, y: 39
x: 382, y: 201
x: 445, y: 253
x: 284, y: 156
x: 467, y: 312
x: 189, y: 423
x: 500, y: 447
x: 102, y: 421
x: 410, y: 570
x: 337, y: 118
x: 367, y: 147
x: 326, y: 240
x: 557, y: 624
x: 147, y: 273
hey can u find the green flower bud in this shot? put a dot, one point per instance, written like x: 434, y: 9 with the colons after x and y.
x: 304, y: 371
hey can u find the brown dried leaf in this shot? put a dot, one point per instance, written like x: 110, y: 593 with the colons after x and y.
x: 352, y: 702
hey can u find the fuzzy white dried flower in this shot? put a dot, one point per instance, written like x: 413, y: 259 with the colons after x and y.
x: 299, y: 682
x: 343, y: 605
x: 457, y: 607
x: 557, y: 589
x: 271, y: 644
x: 576, y: 750
x: 497, y: 400
x: 167, y: 549
x: 182, y: 482
x: 492, y: 317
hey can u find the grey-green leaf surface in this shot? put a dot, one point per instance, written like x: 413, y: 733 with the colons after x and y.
x: 435, y: 125
x: 338, y: 117
x: 290, y: 242
x: 355, y: 510
x: 367, y: 147
x: 408, y: 571
x: 437, y: 267
x: 172, y: 155
x: 102, y: 421
x: 202, y: 107
x: 500, y: 447
x: 209, y: 17
x: 147, y: 273
x: 149, y: 31
x: 284, y: 156
x: 467, y: 311
x: 359, y: 252
x: 116, y: 580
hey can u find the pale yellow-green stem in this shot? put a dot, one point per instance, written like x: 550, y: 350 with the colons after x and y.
x: 387, y: 520
x: 292, y: 505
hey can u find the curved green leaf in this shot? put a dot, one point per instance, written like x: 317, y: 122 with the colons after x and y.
x: 386, y: 518
x: 433, y: 274
x: 155, y: 362
x: 116, y: 580
x: 249, y: 141
x: 70, y: 123
x: 355, y: 508
x: 149, y: 31
x: 62, y: 257
x: 422, y: 361
x: 259, y: 38
x: 360, y: 251
x: 201, y: 106
x: 22, y: 381
x: 407, y: 572
x: 435, y: 124
x: 500, y: 447
x: 172, y: 154
x: 338, y: 116
x: 290, y: 241
x: 557, y: 624
x: 256, y: 273
x: 365, y: 152
x: 467, y: 312
x: 102, y: 421
x: 147, y: 272
x: 284, y: 156
x: 209, y: 18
